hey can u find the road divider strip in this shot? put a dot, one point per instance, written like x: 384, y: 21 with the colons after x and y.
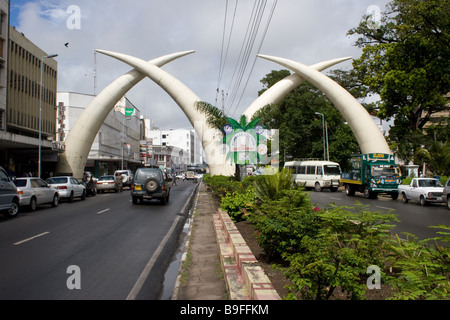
x: 31, y: 238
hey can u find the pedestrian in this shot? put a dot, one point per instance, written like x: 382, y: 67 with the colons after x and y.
x: 119, y: 182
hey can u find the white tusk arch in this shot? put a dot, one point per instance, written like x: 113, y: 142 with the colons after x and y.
x: 283, y: 87
x: 82, y: 134
x: 368, y: 135
x: 187, y: 101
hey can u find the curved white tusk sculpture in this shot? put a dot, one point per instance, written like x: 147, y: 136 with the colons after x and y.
x: 82, y: 134
x: 187, y: 101
x: 368, y: 135
x: 283, y: 87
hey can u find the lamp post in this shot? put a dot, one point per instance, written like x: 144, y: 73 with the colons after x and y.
x: 40, y: 109
x: 325, y: 137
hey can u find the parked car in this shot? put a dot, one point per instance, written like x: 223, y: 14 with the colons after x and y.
x: 446, y: 194
x: 150, y: 183
x: 127, y: 177
x: 9, y: 198
x: 424, y: 190
x: 68, y: 187
x: 35, y: 191
x: 190, y: 175
x: 106, y: 183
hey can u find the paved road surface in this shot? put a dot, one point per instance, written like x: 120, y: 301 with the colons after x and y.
x: 111, y: 240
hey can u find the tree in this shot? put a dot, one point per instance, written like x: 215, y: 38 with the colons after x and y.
x: 301, y: 131
x: 406, y: 61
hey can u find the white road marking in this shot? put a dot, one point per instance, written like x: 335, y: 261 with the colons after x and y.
x: 31, y: 238
x: 103, y: 211
x: 386, y: 208
x: 336, y: 198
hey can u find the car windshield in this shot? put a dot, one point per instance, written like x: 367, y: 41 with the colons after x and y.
x: 57, y: 180
x: 331, y: 169
x: 385, y: 170
x: 429, y: 183
x: 145, y: 174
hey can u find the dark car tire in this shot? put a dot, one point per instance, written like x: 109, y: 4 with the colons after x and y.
x: 151, y: 185
x: 14, y: 210
x: 55, y: 201
x: 33, y: 204
x: 164, y: 200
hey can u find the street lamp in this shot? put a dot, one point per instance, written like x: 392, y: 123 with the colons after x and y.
x: 325, y: 137
x: 40, y: 109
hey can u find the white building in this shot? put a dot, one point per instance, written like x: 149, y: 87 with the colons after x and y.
x: 184, y: 139
x: 117, y: 142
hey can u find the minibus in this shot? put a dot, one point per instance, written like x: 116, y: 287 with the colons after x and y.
x: 317, y: 174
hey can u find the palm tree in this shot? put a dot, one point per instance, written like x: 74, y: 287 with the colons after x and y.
x: 437, y: 157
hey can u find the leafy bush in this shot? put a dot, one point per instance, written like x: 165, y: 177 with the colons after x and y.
x: 239, y: 204
x: 347, y: 241
x: 270, y: 186
x: 424, y: 268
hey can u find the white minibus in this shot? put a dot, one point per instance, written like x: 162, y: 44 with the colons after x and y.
x: 317, y: 174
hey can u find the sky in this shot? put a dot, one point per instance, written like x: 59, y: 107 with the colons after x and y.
x: 225, y: 34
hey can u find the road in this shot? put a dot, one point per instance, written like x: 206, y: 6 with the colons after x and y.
x: 121, y: 250
x: 414, y: 218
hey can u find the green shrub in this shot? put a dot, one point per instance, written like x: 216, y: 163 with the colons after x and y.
x: 347, y: 241
x: 239, y: 204
x: 270, y: 186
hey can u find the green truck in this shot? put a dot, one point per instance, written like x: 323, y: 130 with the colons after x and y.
x: 372, y: 174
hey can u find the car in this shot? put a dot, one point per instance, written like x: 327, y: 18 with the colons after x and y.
x: 35, y: 191
x: 9, y: 197
x: 190, y: 175
x: 424, y: 190
x: 446, y: 194
x: 150, y: 183
x: 68, y: 187
x: 106, y: 183
x: 127, y: 177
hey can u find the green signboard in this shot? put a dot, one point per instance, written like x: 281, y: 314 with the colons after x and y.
x: 245, y: 143
x: 129, y: 112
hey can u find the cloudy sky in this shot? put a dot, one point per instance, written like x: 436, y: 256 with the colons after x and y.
x: 225, y: 34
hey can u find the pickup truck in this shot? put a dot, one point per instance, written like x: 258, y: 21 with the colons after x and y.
x: 424, y: 190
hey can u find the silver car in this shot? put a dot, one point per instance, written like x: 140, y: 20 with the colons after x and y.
x: 106, y: 183
x: 35, y: 191
x: 68, y: 187
x: 9, y: 198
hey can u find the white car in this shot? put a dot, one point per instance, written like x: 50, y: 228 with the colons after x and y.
x: 35, y: 191
x: 126, y: 175
x: 68, y: 187
x: 424, y: 190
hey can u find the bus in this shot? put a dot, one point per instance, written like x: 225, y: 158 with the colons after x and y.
x: 317, y: 174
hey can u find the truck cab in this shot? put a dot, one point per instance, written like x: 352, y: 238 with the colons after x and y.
x: 372, y: 174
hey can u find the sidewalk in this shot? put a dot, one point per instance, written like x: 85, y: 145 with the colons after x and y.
x: 217, y: 263
x: 200, y: 276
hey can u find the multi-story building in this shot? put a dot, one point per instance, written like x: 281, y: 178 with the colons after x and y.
x: 28, y: 114
x: 116, y: 145
x: 4, y: 36
x: 184, y: 139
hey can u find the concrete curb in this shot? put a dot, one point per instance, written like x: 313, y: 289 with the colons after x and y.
x: 244, y: 278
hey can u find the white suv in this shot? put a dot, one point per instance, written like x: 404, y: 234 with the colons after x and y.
x: 127, y: 176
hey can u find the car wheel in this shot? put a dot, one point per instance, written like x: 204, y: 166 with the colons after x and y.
x: 394, y: 196
x: 136, y: 200
x: 163, y: 200
x: 404, y: 198
x: 367, y: 194
x: 71, y: 197
x: 14, y: 210
x: 317, y: 187
x: 83, y: 195
x: 33, y: 204
x: 349, y: 190
x: 151, y: 185
x: 448, y: 203
x: 423, y: 202
x: 55, y: 201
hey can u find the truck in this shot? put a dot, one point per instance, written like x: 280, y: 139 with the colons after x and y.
x: 372, y: 174
x: 424, y: 190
